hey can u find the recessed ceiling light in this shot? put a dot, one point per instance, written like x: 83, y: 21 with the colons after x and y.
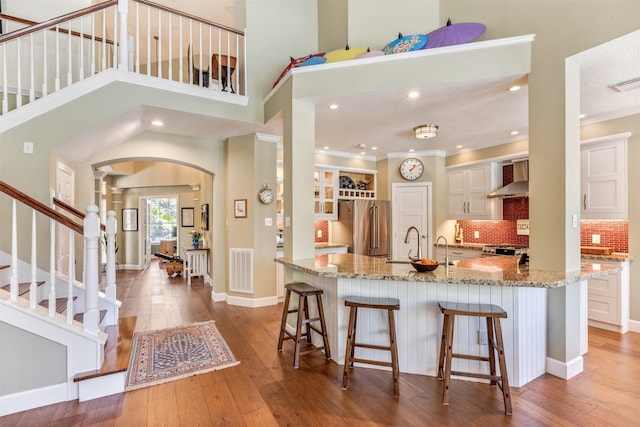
x: 514, y: 132
x: 362, y: 153
x: 514, y: 88
x: 333, y: 106
x: 411, y: 150
x: 326, y: 147
x: 374, y: 148
x: 582, y: 116
x: 413, y: 94
x: 157, y: 123
x: 459, y: 146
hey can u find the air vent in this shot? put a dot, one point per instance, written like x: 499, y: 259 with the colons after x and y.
x: 241, y: 270
x: 627, y: 85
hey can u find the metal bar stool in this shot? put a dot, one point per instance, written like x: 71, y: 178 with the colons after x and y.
x: 389, y: 304
x: 303, y: 290
x: 494, y: 332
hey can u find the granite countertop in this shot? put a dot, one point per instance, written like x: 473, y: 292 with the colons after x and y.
x: 325, y: 245
x: 502, y: 270
x: 614, y: 257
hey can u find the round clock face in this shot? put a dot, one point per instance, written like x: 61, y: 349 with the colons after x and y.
x: 265, y: 196
x: 411, y: 169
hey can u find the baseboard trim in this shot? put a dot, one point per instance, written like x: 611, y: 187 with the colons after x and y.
x: 251, y: 302
x: 565, y: 370
x: 634, y: 326
x: 101, y: 386
x: 32, y: 399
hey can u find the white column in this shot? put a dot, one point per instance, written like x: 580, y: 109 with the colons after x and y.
x: 123, y: 48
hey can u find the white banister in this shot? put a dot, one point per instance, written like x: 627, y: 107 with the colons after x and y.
x: 91, y: 285
x: 13, y: 280
x: 111, y: 227
x: 45, y: 71
x: 32, y: 71
x: 33, y: 286
x: 5, y: 84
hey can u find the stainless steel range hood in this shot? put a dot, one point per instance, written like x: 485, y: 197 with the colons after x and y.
x: 520, y: 185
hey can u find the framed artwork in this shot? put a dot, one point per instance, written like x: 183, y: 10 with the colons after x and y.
x: 204, y: 216
x: 130, y: 219
x: 240, y: 208
x: 187, y: 217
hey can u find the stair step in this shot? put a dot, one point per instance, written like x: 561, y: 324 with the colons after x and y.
x: 61, y: 304
x: 117, y: 350
x: 23, y: 288
x: 79, y: 317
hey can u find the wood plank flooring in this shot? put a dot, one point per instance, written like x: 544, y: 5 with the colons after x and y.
x: 265, y: 390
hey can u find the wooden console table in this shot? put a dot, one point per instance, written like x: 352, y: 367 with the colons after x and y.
x: 196, y: 263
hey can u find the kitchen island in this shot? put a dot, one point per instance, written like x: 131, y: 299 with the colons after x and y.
x: 520, y: 291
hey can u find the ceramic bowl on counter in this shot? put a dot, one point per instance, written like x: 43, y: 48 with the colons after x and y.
x: 422, y: 267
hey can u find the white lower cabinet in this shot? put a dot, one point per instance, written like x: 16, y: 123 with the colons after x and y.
x: 608, y: 299
x: 331, y: 250
x: 280, y: 275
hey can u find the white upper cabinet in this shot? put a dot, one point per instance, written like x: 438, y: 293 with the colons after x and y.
x: 324, y: 186
x: 468, y: 188
x: 604, y: 178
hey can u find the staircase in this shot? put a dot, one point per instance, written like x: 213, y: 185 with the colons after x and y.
x: 61, y: 327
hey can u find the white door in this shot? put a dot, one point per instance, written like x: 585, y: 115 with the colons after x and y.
x: 411, y: 207
x: 64, y: 192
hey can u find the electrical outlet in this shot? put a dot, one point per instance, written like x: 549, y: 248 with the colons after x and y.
x: 483, y: 338
x: 319, y: 234
x: 28, y: 147
x: 595, y: 239
x: 476, y: 234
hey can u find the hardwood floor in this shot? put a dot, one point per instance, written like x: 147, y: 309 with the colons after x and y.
x: 265, y: 389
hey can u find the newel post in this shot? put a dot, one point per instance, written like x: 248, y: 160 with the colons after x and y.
x: 123, y: 37
x: 92, y: 274
x: 111, y: 227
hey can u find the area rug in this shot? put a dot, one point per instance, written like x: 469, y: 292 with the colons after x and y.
x: 170, y: 354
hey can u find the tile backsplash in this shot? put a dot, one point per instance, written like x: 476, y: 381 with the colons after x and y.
x: 613, y: 233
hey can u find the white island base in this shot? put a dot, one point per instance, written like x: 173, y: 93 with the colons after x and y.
x: 419, y: 324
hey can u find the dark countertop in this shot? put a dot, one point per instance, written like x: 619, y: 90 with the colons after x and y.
x: 502, y: 270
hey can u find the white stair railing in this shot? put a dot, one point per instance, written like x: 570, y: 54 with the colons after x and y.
x: 140, y: 36
x: 91, y: 232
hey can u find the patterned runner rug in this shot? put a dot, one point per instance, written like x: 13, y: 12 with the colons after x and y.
x: 170, y: 354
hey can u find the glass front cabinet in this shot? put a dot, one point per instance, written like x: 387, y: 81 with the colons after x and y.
x: 325, y: 201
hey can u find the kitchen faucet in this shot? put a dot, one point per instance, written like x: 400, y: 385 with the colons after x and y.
x: 446, y: 253
x: 406, y: 240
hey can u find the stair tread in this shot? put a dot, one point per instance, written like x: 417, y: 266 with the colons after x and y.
x: 117, y: 350
x: 61, y: 304
x: 80, y: 316
x: 23, y: 287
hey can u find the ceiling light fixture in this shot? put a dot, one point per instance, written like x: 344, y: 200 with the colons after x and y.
x: 157, y: 123
x: 426, y: 131
x: 333, y: 106
x: 514, y: 88
x: 413, y: 94
x: 627, y: 85
x: 514, y: 132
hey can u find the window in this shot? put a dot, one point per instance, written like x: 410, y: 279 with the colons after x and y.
x: 163, y: 218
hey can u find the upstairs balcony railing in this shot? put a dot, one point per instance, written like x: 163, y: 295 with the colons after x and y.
x: 139, y: 36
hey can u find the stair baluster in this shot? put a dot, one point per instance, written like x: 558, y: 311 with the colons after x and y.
x: 52, y: 265
x: 111, y: 227
x: 33, y: 287
x: 13, y: 281
x: 71, y: 276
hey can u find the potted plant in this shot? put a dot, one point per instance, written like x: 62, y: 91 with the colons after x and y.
x: 195, y: 235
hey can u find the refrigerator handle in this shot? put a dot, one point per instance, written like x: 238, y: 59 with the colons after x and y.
x: 375, y: 229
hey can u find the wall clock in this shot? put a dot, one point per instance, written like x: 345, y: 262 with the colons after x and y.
x: 411, y: 169
x: 265, y: 195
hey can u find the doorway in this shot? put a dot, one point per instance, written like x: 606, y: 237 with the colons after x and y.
x: 411, y: 207
x: 65, y: 192
x: 159, y: 223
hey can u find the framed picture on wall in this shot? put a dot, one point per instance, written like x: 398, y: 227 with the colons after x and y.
x: 240, y: 208
x: 186, y: 214
x: 130, y: 219
x: 204, y: 216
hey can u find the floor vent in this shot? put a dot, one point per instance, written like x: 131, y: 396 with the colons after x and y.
x: 241, y: 270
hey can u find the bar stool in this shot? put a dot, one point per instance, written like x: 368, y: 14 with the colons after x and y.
x: 490, y: 312
x: 388, y: 304
x: 303, y: 290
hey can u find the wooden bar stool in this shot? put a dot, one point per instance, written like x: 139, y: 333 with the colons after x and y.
x: 494, y: 332
x: 303, y: 290
x: 388, y: 304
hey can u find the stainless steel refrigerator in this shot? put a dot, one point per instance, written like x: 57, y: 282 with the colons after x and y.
x: 364, y: 225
